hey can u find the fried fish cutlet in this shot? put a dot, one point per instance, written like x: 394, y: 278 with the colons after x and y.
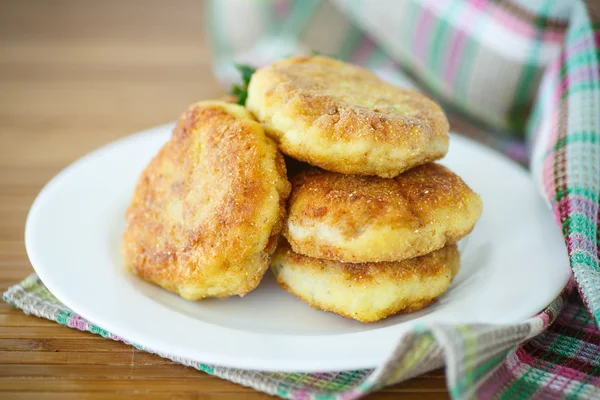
x: 207, y: 211
x: 345, y: 119
x: 369, y: 219
x: 366, y: 292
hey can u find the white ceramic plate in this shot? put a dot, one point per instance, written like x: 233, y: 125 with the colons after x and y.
x: 513, y: 266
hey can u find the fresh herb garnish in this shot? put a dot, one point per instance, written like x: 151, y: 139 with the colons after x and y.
x: 241, y: 91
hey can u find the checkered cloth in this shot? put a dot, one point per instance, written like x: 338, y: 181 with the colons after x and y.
x: 522, y: 76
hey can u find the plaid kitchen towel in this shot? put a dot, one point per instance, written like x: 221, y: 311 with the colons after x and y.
x: 505, y: 70
x: 481, y: 361
x: 560, y: 358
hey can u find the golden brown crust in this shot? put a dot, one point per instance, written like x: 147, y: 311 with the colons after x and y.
x: 426, y: 266
x: 368, y: 291
x: 364, y: 218
x: 207, y: 210
x: 344, y: 118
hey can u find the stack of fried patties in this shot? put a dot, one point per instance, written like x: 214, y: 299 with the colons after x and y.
x: 371, y: 226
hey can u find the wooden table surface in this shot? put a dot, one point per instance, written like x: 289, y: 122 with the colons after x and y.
x: 75, y: 75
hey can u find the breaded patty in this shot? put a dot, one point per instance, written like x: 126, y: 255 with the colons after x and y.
x: 368, y: 219
x: 207, y: 211
x: 345, y: 119
x: 366, y: 292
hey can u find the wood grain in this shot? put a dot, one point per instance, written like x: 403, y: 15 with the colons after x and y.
x: 75, y: 75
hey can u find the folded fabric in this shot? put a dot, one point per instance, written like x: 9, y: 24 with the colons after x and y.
x: 481, y: 361
x: 518, y: 67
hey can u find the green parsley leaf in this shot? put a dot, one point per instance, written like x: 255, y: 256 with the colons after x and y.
x: 241, y: 91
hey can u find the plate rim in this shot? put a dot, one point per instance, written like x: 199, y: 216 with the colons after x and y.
x: 215, y: 359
